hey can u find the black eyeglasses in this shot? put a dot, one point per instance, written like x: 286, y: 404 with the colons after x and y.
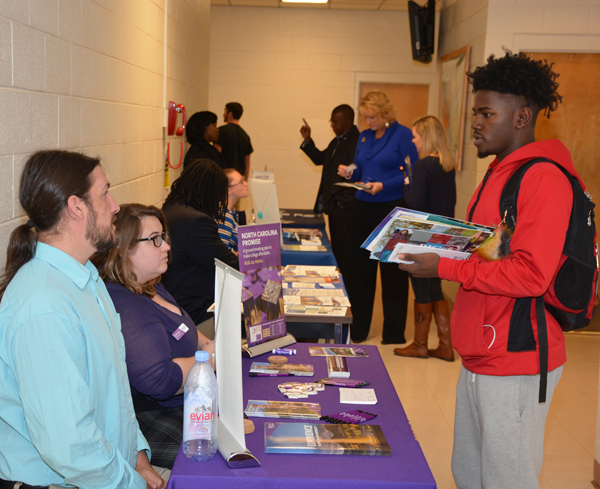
x: 242, y: 181
x: 157, y: 240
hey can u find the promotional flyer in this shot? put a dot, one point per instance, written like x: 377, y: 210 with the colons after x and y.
x: 262, y: 298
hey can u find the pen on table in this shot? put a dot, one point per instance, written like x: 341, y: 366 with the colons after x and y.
x: 270, y: 375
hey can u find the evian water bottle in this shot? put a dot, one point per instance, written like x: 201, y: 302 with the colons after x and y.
x: 200, y: 411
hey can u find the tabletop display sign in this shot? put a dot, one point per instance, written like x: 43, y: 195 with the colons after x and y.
x: 262, y: 297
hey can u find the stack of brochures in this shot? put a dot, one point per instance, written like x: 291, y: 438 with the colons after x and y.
x: 302, y: 370
x: 283, y: 409
x: 304, y: 236
x: 332, y: 439
x: 313, y: 290
x: 408, y: 231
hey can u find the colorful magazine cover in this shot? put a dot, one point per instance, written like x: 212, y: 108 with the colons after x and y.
x: 283, y: 409
x: 330, y: 439
x: 405, y: 231
x: 262, y: 296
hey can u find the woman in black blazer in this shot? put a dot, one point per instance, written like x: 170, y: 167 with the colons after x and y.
x: 197, y: 198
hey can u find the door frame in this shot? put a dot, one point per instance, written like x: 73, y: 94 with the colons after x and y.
x: 401, y: 79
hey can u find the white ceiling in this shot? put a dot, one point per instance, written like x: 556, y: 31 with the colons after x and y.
x: 332, y: 4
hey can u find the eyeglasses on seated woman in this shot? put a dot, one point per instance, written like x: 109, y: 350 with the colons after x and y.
x: 160, y: 337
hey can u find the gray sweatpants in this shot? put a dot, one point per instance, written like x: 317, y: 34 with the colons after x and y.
x: 499, y: 430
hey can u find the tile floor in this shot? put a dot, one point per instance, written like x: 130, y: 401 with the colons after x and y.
x: 426, y: 388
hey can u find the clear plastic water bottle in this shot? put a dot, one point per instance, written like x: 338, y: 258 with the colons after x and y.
x: 200, y: 413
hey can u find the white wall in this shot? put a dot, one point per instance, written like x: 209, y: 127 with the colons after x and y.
x: 543, y: 25
x: 284, y: 64
x: 88, y: 76
x: 463, y: 23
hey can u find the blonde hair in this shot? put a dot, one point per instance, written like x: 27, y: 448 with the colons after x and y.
x: 115, y: 265
x: 379, y: 102
x: 434, y: 141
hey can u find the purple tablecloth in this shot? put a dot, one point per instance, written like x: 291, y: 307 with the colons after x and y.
x: 405, y: 468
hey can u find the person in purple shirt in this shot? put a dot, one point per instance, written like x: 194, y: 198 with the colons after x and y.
x: 382, y: 164
x: 160, y: 337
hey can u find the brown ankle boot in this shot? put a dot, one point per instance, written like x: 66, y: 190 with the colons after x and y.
x: 444, y: 350
x: 418, y: 348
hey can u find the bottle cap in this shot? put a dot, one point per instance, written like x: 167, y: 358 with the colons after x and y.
x: 202, y: 356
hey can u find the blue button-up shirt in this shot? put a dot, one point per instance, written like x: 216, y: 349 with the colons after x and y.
x: 66, y: 414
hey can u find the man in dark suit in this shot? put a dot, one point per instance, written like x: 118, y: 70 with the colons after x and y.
x: 337, y: 202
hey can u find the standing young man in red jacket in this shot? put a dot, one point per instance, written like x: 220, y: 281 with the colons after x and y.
x: 499, y: 422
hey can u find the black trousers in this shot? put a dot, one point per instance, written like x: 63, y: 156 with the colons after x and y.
x: 427, y: 290
x: 394, y: 282
x: 341, y: 223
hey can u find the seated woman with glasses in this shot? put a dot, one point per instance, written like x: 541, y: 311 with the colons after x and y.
x: 237, y: 188
x: 160, y: 337
x: 198, y: 200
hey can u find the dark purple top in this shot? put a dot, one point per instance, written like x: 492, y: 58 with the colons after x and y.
x: 150, y: 345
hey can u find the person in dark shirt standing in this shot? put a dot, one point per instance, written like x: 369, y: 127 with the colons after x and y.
x: 337, y: 202
x: 202, y: 133
x: 235, y: 144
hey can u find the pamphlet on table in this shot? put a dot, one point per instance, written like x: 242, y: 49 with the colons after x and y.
x: 357, y: 396
x: 314, y: 291
x: 262, y: 297
x: 408, y: 231
x: 301, y: 370
x: 325, y: 351
x: 332, y: 439
x: 283, y: 409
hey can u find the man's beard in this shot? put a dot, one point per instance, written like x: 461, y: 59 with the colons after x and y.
x: 101, y: 239
x: 483, y: 154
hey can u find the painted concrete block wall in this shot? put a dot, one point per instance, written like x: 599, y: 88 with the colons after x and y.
x: 463, y: 23
x: 543, y: 25
x: 88, y: 76
x: 288, y: 63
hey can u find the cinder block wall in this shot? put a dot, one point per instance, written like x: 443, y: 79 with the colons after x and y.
x: 88, y: 76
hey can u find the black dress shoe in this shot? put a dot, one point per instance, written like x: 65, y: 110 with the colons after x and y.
x: 386, y: 342
x: 356, y: 342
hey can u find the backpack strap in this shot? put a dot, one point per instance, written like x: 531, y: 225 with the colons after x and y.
x: 510, y: 192
x: 508, y: 211
x: 485, y: 178
x: 540, y: 313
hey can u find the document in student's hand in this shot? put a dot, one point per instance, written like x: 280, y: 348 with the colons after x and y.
x: 409, y: 231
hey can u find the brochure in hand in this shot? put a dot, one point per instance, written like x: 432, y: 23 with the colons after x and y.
x: 355, y: 185
x: 408, y: 231
x: 332, y: 439
x: 283, y: 409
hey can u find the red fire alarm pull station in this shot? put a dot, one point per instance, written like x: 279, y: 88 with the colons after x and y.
x: 175, y: 109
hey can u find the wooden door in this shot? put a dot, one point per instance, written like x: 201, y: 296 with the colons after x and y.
x: 410, y: 101
x: 576, y: 122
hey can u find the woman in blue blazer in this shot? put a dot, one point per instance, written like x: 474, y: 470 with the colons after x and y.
x: 380, y: 153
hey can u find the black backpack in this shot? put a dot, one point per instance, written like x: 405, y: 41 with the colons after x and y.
x: 572, y: 298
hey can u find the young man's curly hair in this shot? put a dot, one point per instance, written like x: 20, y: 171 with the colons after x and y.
x: 517, y: 74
